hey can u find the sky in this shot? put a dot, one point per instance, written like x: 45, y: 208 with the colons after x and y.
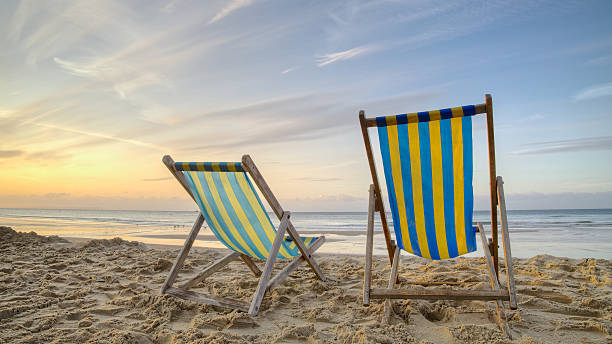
x: 94, y: 93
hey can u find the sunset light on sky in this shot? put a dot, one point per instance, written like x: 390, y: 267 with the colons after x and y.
x: 93, y: 94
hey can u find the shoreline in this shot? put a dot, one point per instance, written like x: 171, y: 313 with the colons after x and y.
x: 573, y: 234
x: 107, y: 290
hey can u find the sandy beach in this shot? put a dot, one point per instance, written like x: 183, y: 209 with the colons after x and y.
x: 55, y: 290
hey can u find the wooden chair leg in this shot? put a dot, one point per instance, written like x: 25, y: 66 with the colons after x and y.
x: 267, y: 271
x: 180, y: 260
x: 392, y: 279
x: 294, y: 264
x: 304, y: 251
x: 251, y: 264
x: 259, y: 180
x: 499, y: 306
x: 367, y: 276
x: 506, y: 243
x: 216, y: 266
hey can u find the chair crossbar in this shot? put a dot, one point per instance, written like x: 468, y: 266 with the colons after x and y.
x: 439, y: 294
x: 208, y: 299
x: 294, y: 264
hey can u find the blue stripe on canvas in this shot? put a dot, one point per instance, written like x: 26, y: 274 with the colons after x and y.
x: 384, y: 150
x: 449, y: 190
x: 249, y: 212
x: 232, y: 214
x: 426, y: 179
x: 213, y: 205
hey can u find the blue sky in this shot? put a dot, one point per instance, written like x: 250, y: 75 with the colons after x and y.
x: 94, y: 93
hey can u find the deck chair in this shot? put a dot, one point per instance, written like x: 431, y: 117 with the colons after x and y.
x: 235, y: 214
x: 427, y: 160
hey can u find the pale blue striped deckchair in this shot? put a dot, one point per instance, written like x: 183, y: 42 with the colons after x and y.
x: 428, y: 166
x: 235, y: 214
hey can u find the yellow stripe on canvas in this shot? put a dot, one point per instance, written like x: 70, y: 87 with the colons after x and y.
x: 417, y: 188
x: 259, y: 212
x: 438, y: 187
x: 198, y: 185
x: 456, y: 128
x: 412, y: 117
x: 225, y: 215
x: 434, y: 115
x: 241, y: 215
x: 457, y: 112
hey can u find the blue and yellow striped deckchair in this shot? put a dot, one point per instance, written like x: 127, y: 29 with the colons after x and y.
x: 428, y: 166
x: 235, y: 214
x: 428, y: 170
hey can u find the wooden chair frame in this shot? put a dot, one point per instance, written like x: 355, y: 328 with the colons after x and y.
x: 266, y: 283
x: 490, y: 247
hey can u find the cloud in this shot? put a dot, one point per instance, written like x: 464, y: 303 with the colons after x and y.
x: 293, y: 118
x: 42, y: 30
x: 170, y: 6
x: 156, y: 179
x: 314, y: 179
x: 123, y: 77
x: 595, y: 91
x: 56, y: 194
x: 288, y: 70
x: 345, y: 55
x: 601, y: 60
x: 103, y: 136
x: 5, y: 113
x: 51, y: 154
x: 573, y: 145
x: 302, y: 117
x: 231, y: 7
x: 10, y: 153
x: 535, y: 117
x: 403, y: 26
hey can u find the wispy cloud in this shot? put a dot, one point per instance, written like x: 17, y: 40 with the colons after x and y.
x: 573, y: 145
x: 601, y: 60
x: 170, y: 6
x: 156, y: 179
x: 5, y: 113
x: 10, y: 153
x: 595, y: 91
x: 314, y: 179
x: 49, y: 154
x: 231, y: 7
x: 103, y: 136
x: 338, y: 197
x: 43, y: 30
x: 284, y: 119
x: 345, y: 55
x: 288, y: 70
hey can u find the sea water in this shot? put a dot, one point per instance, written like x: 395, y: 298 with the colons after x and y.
x: 576, y: 233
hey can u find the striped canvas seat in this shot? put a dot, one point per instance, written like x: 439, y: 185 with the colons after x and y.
x: 232, y: 209
x: 427, y: 159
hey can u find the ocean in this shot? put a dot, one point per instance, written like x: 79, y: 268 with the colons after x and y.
x: 573, y: 233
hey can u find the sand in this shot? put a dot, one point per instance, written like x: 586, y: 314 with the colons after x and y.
x: 53, y: 290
